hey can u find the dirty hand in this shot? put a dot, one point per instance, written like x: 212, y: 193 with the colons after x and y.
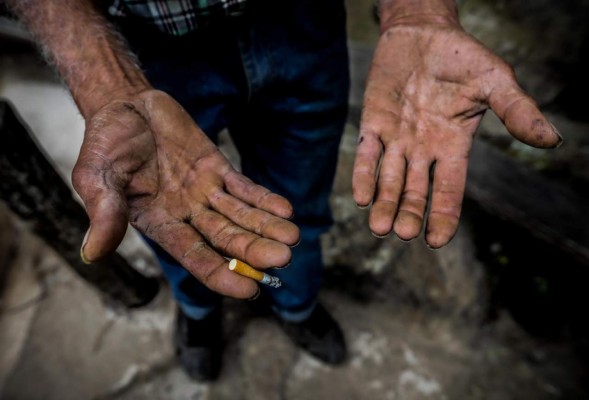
x: 428, y: 88
x: 144, y: 161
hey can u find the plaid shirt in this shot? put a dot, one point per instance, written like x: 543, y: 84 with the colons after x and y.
x: 177, y: 17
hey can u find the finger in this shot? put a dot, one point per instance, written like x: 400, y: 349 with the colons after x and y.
x: 255, y: 220
x: 413, y: 201
x: 258, y: 196
x: 108, y: 223
x: 189, y: 249
x: 108, y: 213
x: 522, y: 118
x: 391, y: 179
x: 234, y: 241
x: 368, y: 154
x: 447, y: 194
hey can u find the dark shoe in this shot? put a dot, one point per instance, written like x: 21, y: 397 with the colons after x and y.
x: 320, y: 335
x: 199, y: 345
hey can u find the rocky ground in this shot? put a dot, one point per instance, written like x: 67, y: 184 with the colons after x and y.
x: 475, y: 320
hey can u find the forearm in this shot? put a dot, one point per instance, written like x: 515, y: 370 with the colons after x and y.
x: 399, y: 12
x: 86, y: 51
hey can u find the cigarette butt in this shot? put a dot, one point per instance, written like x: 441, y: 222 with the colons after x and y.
x: 245, y: 270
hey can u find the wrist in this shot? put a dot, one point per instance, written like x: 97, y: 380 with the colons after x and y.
x: 90, y: 100
x: 413, y: 12
x: 115, y: 75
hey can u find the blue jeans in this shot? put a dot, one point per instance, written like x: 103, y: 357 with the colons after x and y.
x: 278, y: 79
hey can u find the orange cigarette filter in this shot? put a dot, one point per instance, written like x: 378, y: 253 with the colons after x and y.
x: 246, y: 270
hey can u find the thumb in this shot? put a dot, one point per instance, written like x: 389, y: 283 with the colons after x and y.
x: 522, y: 118
x: 109, y: 216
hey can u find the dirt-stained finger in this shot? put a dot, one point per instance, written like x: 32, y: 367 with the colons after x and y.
x: 231, y: 240
x: 409, y: 219
x: 257, y: 196
x: 391, y: 179
x: 255, y: 220
x: 189, y: 248
x: 368, y: 155
x: 522, y: 118
x: 447, y: 194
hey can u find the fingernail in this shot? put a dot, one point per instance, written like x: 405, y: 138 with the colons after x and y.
x: 82, y: 255
x: 430, y: 247
x: 379, y: 236
x: 296, y: 244
x: 561, y: 139
x: 255, y: 296
x: 362, y: 207
x: 403, y: 240
x: 559, y: 143
x: 283, y: 267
